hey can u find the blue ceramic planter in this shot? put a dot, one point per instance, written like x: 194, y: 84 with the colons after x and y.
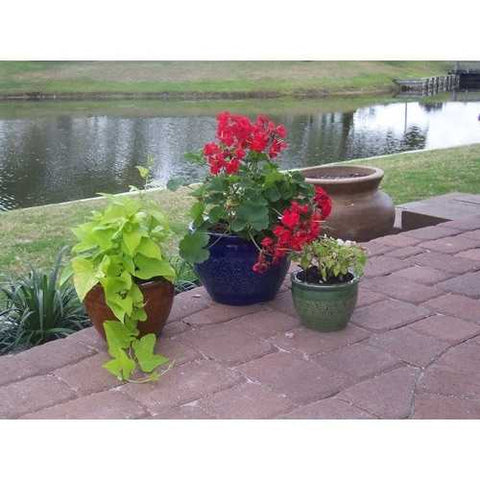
x: 228, y: 276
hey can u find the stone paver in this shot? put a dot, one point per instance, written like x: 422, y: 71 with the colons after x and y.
x: 103, y: 405
x: 32, y: 394
x: 425, y: 275
x: 248, y: 400
x: 403, y: 288
x: 188, y: 303
x: 378, y: 266
x: 219, y: 313
x: 374, y: 248
x: 456, y: 305
x: 410, y: 346
x: 388, y: 314
x: 412, y: 350
x: 79, y: 378
x: 265, y: 324
x: 283, y: 303
x: 13, y: 368
x: 367, y: 297
x: 330, y: 408
x: 443, y: 380
x: 226, y: 344
x: 307, y: 342
x: 473, y: 254
x: 431, y: 233
x: 360, y: 360
x: 300, y: 380
x: 88, y: 337
x: 182, y: 385
x: 444, y: 327
x: 445, y: 262
x: 429, y: 406
x: 467, y: 284
x: 404, y: 252
x: 56, y: 354
x: 389, y: 395
x: 399, y: 240
x: 464, y: 225
x: 190, y: 411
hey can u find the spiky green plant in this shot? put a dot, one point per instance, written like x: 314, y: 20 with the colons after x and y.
x: 38, y: 307
x: 186, y: 278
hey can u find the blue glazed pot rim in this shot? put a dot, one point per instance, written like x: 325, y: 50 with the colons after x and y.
x: 317, y: 287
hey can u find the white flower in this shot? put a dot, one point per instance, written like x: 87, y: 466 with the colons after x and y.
x: 340, y: 241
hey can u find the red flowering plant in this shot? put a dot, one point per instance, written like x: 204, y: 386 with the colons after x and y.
x: 246, y: 194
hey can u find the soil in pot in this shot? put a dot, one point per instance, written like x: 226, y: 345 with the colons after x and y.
x: 158, y: 295
x: 312, y: 275
x: 324, y: 307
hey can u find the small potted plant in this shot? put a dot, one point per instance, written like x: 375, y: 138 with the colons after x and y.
x: 123, y: 276
x: 248, y: 214
x: 325, y: 290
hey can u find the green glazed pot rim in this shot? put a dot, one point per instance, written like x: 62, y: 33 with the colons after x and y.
x: 314, y: 286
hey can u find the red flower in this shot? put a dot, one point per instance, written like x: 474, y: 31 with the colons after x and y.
x: 267, y: 242
x: 290, y: 219
x: 232, y: 166
x: 281, y: 131
x: 323, y: 201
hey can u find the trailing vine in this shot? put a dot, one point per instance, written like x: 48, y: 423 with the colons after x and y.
x: 118, y: 248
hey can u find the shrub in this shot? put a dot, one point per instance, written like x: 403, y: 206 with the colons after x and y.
x: 38, y: 307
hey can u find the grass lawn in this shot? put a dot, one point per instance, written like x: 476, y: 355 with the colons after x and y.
x: 414, y: 176
x: 283, y: 78
x: 34, y: 235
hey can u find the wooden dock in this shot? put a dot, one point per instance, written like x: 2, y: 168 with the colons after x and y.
x: 430, y: 85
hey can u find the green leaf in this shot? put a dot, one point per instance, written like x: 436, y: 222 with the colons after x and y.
x: 272, y: 194
x: 216, y: 213
x: 148, y: 268
x: 84, y: 276
x: 132, y: 240
x: 143, y: 349
x: 254, y: 213
x: 238, y: 225
x: 149, y: 248
x: 121, y: 365
x: 192, y: 247
x: 143, y: 171
x: 138, y: 315
x: 118, y: 335
x: 197, y: 210
x: 195, y: 157
x: 67, y: 273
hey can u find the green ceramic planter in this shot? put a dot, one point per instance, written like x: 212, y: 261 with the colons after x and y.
x: 325, y: 308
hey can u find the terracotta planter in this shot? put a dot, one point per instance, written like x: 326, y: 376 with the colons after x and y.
x: 158, y: 296
x: 360, y: 210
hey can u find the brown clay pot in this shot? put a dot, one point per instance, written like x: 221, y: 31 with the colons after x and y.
x: 360, y: 211
x: 158, y: 297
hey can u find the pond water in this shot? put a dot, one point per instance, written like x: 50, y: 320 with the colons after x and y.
x: 53, y: 152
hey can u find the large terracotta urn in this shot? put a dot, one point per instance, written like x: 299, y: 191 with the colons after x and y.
x: 360, y: 210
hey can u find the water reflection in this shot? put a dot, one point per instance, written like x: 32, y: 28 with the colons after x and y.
x: 61, y: 157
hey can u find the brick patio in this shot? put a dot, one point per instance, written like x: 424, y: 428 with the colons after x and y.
x: 412, y: 350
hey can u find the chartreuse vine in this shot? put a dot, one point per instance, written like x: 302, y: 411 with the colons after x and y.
x: 118, y: 247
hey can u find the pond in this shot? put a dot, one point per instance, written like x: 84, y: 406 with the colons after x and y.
x: 54, y: 152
